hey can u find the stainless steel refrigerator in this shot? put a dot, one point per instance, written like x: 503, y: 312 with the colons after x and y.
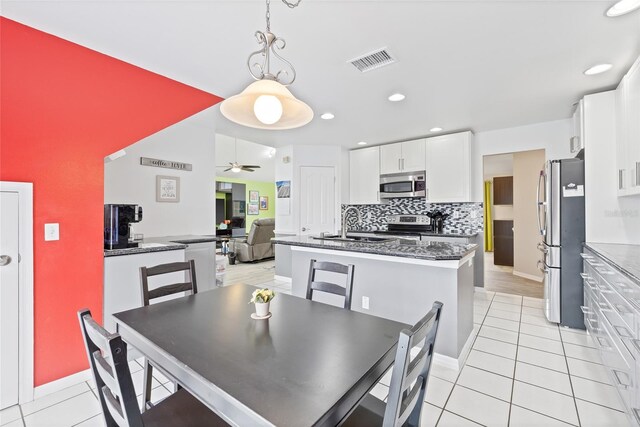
x: 561, y: 224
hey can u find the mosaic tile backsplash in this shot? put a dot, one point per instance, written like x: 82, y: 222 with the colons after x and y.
x: 374, y: 217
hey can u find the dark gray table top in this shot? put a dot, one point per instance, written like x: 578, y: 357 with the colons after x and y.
x: 309, y: 364
x: 427, y: 250
x: 624, y: 257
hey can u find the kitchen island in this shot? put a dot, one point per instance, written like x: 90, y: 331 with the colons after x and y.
x: 399, y: 280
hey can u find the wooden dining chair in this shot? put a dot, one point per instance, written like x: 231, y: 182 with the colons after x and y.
x: 331, y: 288
x: 409, y: 379
x: 159, y: 292
x: 107, y: 355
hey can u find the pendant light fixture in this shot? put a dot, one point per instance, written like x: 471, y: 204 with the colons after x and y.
x: 267, y: 103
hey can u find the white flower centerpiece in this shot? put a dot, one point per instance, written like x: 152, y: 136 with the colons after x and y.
x: 261, y: 298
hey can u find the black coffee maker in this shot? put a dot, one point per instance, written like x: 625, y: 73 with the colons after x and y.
x: 117, y: 225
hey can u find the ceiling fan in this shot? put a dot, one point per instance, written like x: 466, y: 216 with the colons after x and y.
x: 237, y: 167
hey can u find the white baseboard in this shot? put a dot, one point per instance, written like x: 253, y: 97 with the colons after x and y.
x: 452, y: 362
x: 282, y: 278
x: 527, y: 276
x: 62, y: 383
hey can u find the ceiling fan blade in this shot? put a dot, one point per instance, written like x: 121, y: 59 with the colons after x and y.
x: 226, y: 170
x: 245, y: 168
x: 251, y: 166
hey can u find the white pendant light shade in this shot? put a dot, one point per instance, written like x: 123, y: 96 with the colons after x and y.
x: 266, y: 104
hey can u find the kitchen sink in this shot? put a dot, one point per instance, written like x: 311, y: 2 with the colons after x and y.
x: 362, y: 239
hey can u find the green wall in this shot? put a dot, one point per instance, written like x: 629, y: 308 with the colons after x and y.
x: 264, y: 188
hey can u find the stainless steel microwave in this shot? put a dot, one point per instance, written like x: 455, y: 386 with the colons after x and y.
x: 411, y: 184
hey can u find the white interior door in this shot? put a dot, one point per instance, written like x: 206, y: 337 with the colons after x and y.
x: 9, y: 298
x: 317, y: 199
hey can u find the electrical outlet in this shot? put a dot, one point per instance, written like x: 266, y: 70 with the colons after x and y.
x: 365, y: 303
x: 51, y: 232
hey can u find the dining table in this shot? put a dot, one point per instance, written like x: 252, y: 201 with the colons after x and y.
x: 308, y: 364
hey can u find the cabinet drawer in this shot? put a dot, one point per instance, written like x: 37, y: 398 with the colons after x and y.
x: 618, y: 363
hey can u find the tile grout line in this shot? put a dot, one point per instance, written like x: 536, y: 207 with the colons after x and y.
x: 455, y: 383
x: 575, y: 404
x: 57, y: 403
x: 515, y: 366
x: 24, y: 423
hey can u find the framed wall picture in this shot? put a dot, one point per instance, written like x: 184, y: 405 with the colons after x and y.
x: 252, y: 209
x: 254, y: 196
x: 264, y: 203
x: 167, y: 189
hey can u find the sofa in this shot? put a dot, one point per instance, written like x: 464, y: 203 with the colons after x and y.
x: 258, y: 244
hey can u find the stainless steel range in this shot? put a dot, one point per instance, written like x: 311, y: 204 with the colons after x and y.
x: 408, y: 226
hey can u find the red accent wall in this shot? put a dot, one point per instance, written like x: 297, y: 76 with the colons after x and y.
x: 63, y: 109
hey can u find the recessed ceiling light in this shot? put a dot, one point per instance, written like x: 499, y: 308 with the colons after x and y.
x: 623, y: 7
x: 597, y: 69
x: 327, y: 116
x: 362, y: 143
x: 396, y: 97
x: 435, y: 129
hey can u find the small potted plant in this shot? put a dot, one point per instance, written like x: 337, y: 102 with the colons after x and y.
x: 261, y: 298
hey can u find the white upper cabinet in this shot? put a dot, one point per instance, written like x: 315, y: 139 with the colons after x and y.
x: 576, y: 142
x: 628, y: 132
x: 364, y: 176
x: 405, y: 156
x: 448, y: 162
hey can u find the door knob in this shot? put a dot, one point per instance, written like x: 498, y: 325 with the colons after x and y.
x: 5, y: 260
x: 304, y: 229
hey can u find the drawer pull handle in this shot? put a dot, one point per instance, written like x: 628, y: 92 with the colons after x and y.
x: 604, y: 306
x: 622, y: 285
x: 625, y: 332
x: 617, y: 375
x: 603, y: 289
x: 586, y: 310
x: 590, y: 324
x: 606, y: 346
x: 585, y: 276
x: 604, y: 271
x: 591, y: 284
x: 621, y: 309
x: 586, y: 256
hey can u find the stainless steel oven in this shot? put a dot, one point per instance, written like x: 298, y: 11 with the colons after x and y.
x: 403, y: 185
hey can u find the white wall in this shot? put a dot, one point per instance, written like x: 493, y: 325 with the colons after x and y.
x: 126, y: 181
x: 609, y: 218
x: 551, y: 136
x: 309, y: 155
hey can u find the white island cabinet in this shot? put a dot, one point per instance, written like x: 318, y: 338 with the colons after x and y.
x: 628, y: 132
x: 364, y: 176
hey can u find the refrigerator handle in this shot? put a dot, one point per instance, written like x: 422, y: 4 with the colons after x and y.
x: 540, y: 203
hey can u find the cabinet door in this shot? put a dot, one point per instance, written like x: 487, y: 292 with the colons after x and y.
x: 364, y: 176
x: 632, y: 115
x: 413, y: 155
x: 204, y: 255
x: 447, y: 165
x: 622, y: 174
x: 390, y: 158
x: 503, y: 190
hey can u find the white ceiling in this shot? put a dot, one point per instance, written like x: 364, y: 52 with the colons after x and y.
x: 245, y: 153
x: 476, y: 65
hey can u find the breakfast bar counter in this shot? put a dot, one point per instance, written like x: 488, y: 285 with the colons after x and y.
x: 399, y: 280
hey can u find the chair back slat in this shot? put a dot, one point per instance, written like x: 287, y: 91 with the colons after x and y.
x: 105, y: 371
x: 107, y: 355
x: 115, y: 410
x: 162, y: 291
x: 165, y: 290
x: 327, y: 287
x: 410, y: 375
x: 331, y: 288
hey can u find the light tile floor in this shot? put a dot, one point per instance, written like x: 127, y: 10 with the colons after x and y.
x: 521, y: 371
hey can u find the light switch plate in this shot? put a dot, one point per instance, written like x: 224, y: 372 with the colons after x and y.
x: 365, y: 303
x: 51, y: 232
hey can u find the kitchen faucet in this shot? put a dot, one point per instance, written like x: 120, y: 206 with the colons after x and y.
x: 344, y: 219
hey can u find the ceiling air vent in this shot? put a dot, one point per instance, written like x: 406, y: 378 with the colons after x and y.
x: 372, y: 60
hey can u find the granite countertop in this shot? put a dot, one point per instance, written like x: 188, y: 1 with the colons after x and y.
x: 624, y: 257
x: 160, y: 244
x: 434, y: 251
x: 460, y: 235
